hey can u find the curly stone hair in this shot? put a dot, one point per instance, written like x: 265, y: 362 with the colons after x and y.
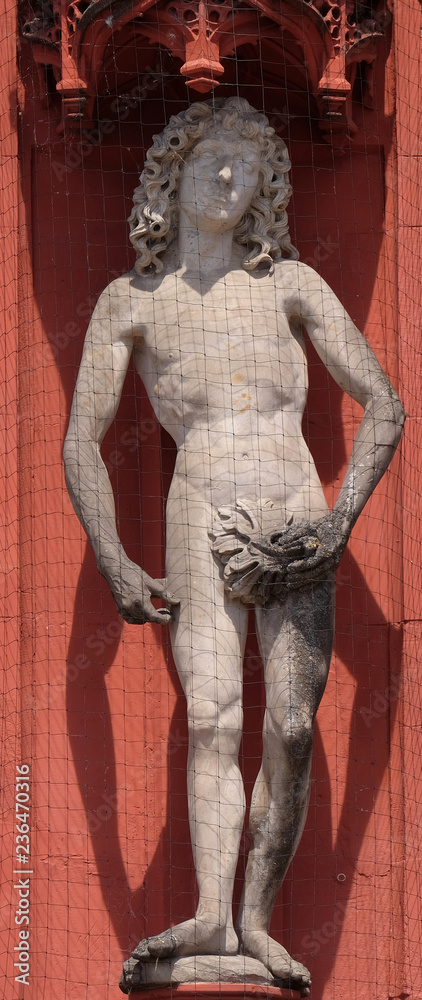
x: 263, y: 229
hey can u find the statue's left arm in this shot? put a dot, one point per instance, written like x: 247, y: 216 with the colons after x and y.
x: 354, y: 367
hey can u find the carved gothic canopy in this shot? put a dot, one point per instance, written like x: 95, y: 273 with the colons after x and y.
x: 325, y: 39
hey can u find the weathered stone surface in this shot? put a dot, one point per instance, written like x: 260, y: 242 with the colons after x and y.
x: 195, y: 969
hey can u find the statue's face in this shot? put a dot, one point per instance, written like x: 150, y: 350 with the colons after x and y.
x: 218, y: 180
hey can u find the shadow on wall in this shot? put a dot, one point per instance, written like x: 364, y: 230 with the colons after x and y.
x: 309, y: 916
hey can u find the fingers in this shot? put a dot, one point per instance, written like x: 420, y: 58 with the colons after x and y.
x: 301, y: 548
x: 137, y: 610
x: 311, y: 563
x: 158, y: 589
x: 293, y: 533
x: 309, y: 571
x: 321, y: 557
x: 162, y: 616
x: 133, y: 614
x: 168, y: 598
x: 139, y: 614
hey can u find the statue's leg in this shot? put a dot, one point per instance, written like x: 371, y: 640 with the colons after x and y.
x: 208, y: 641
x: 296, y: 642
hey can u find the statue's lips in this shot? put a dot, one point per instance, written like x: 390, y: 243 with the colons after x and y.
x: 220, y: 203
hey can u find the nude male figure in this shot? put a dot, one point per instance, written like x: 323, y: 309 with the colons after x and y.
x: 215, y: 327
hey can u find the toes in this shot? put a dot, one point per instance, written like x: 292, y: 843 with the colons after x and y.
x: 300, y: 971
x: 280, y: 968
x: 300, y: 979
x: 294, y: 974
x: 163, y: 946
x: 132, y: 977
x: 141, y: 952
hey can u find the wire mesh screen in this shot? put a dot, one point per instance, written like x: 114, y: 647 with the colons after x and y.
x: 151, y: 768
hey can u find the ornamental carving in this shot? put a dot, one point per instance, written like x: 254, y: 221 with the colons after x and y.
x: 327, y: 38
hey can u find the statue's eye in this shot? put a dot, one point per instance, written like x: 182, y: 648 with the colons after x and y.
x: 207, y: 151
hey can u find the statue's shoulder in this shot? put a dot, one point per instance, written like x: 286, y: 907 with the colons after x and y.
x: 130, y: 291
x: 115, y: 292
x: 294, y: 274
x: 297, y: 283
x: 124, y: 285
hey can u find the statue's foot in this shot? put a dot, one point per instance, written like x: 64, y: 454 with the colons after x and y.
x: 192, y: 937
x: 259, y: 945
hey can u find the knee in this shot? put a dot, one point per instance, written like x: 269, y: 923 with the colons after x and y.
x: 294, y: 732
x: 215, y: 727
x: 298, y: 741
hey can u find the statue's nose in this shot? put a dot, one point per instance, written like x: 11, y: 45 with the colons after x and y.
x: 225, y: 174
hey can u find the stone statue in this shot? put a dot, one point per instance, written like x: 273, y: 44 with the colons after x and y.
x: 214, y: 312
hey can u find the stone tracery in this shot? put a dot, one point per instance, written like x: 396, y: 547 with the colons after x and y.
x: 327, y: 38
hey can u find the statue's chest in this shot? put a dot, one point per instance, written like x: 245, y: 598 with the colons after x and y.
x: 209, y: 336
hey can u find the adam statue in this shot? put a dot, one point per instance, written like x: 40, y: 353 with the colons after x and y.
x: 214, y: 313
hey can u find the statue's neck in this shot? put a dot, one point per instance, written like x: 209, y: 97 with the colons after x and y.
x: 205, y: 253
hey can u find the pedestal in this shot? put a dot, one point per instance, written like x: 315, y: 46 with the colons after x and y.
x: 210, y: 976
x: 226, y: 991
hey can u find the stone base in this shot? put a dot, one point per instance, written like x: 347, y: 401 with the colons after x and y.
x: 234, y: 974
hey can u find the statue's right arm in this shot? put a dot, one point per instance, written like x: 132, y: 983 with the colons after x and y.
x: 107, y: 351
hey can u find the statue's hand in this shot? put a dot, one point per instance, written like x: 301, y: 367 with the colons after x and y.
x: 132, y: 590
x: 316, y: 549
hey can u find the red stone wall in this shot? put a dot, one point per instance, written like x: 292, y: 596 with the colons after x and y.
x: 93, y: 705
